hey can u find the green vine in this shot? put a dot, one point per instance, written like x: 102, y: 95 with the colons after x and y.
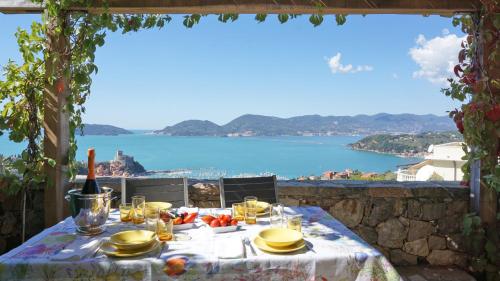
x: 21, y: 92
x: 478, y: 86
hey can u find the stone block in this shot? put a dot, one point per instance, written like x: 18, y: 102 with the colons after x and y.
x: 367, y: 233
x: 436, y: 242
x: 399, y: 257
x: 404, y: 221
x: 419, y: 229
x: 414, y: 209
x: 289, y: 201
x: 396, y: 192
x: 418, y: 247
x: 457, y: 207
x: 450, y: 224
x: 348, y: 211
x: 9, y: 223
x: 399, y: 207
x: 433, y: 211
x: 447, y: 257
x: 456, y: 242
x: 391, y: 233
x: 381, y: 211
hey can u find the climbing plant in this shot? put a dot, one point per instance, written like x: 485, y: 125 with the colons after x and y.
x: 23, y: 85
x: 477, y: 85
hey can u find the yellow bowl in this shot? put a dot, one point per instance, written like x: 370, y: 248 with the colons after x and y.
x: 280, y: 237
x: 150, y: 206
x: 132, y: 239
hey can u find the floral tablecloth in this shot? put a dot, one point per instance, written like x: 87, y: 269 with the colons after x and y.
x: 333, y: 253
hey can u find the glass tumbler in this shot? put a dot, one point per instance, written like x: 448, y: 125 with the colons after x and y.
x: 276, y: 215
x: 164, y: 225
x: 151, y: 217
x: 239, y: 211
x: 250, y: 210
x: 294, y: 222
x: 126, y: 212
x: 138, y: 205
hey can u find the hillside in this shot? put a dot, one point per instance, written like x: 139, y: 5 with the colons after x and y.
x: 102, y: 130
x: 258, y: 125
x: 405, y: 144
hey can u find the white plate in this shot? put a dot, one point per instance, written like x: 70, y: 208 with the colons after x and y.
x: 224, y: 229
x: 183, y: 226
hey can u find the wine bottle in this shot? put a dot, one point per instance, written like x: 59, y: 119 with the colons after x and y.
x: 91, y: 186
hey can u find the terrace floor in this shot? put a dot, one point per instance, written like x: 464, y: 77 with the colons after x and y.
x: 428, y: 273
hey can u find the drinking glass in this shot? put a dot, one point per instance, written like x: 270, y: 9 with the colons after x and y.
x: 250, y: 210
x: 276, y: 215
x: 126, y: 212
x: 164, y: 225
x: 151, y: 216
x: 239, y: 211
x: 294, y: 222
x: 139, y: 205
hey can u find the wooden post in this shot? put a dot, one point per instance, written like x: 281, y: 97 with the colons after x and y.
x: 56, y: 119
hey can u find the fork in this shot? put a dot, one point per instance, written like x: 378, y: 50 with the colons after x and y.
x: 249, y: 244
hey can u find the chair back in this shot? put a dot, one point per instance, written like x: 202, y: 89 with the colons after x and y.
x: 172, y: 190
x: 233, y: 190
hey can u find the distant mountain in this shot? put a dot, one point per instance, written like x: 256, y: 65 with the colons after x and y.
x: 103, y: 130
x: 405, y: 144
x: 258, y: 125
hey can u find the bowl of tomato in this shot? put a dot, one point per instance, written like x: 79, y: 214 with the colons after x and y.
x: 221, y: 223
x: 183, y: 220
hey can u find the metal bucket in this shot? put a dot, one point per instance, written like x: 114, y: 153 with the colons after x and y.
x: 90, y: 211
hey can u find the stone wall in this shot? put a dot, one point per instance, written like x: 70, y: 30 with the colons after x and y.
x: 11, y: 218
x: 410, y: 223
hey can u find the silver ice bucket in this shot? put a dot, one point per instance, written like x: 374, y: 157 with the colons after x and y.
x: 90, y: 211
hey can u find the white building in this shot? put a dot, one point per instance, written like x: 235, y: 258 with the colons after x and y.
x: 444, y: 162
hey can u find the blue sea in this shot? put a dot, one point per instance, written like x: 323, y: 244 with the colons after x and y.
x: 212, y: 157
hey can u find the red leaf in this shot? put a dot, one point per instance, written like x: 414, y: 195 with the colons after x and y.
x: 461, y: 56
x: 457, y: 69
x: 493, y: 114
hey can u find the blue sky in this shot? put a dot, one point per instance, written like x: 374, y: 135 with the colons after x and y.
x: 217, y: 71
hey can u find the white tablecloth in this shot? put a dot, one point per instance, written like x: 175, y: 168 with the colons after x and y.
x: 333, y: 253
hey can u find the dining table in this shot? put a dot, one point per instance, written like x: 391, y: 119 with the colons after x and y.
x: 332, y: 252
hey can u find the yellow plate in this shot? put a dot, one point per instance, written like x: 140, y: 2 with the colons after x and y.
x: 156, y: 205
x: 132, y: 239
x: 292, y: 248
x: 280, y: 237
x: 262, y: 208
x: 111, y: 250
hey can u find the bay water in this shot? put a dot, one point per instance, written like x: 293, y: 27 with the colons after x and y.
x: 211, y: 157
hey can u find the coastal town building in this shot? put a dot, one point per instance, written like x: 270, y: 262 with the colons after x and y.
x: 444, y: 162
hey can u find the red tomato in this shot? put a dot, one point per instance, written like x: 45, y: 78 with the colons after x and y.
x: 223, y: 222
x: 178, y: 220
x: 234, y: 222
x: 189, y: 218
x: 207, y: 219
x: 215, y: 223
x: 229, y: 218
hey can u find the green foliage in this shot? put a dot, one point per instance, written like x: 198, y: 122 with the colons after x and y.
x: 21, y: 93
x: 478, y: 120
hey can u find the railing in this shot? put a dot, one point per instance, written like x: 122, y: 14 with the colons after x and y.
x: 404, y: 175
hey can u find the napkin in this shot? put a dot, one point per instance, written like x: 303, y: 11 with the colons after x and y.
x: 229, y: 248
x: 78, y: 250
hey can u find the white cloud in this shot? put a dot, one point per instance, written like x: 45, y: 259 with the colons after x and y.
x: 436, y: 57
x: 337, y: 67
x: 395, y: 76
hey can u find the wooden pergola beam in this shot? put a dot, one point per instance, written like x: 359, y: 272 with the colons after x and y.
x: 428, y: 7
